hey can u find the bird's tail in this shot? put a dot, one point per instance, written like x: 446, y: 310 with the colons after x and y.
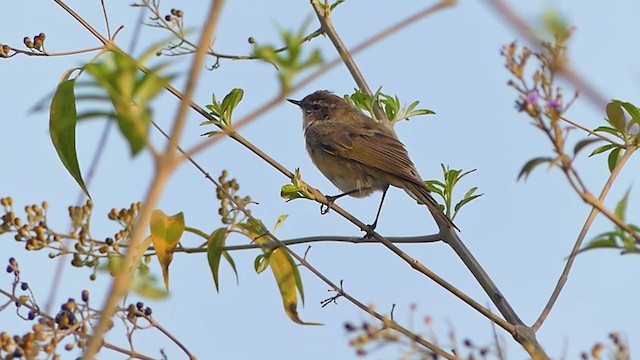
x: 419, y: 192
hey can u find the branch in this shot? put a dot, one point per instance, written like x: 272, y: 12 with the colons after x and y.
x: 165, y: 167
x: 521, y: 332
x: 597, y: 99
x: 390, y: 323
x: 304, y: 82
x: 583, y: 233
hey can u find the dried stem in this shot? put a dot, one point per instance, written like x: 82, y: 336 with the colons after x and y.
x: 583, y: 233
x: 389, y: 323
x: 164, y: 168
x: 597, y: 99
x: 521, y: 332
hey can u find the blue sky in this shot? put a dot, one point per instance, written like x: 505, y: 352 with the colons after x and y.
x: 521, y: 232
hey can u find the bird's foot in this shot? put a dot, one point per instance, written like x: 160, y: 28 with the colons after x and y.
x: 324, y: 208
x: 371, y: 229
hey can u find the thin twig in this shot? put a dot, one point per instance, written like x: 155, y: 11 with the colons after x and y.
x: 97, y: 157
x: 591, y: 132
x: 168, y: 334
x: 106, y: 18
x: 392, y: 324
x: 501, y: 7
x: 165, y: 167
x: 48, y: 54
x: 263, y: 109
x: 324, y: 16
x: 583, y: 233
x: 524, y: 335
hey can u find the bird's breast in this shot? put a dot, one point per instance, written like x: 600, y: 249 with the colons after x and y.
x: 346, y: 175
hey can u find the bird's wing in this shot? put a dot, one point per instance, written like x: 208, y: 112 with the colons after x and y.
x: 380, y: 150
x: 371, y: 147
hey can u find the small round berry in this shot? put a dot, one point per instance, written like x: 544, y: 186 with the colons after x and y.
x: 85, y: 295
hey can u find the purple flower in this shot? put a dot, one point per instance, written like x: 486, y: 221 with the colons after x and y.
x: 528, y: 102
x: 554, y: 105
x: 532, y: 97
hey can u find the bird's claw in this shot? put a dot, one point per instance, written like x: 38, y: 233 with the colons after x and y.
x: 370, y: 231
x: 324, y: 208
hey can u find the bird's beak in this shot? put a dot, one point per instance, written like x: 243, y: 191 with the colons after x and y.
x: 294, y: 102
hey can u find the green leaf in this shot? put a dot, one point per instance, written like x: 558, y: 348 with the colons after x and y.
x: 531, y: 164
x: 261, y: 262
x: 632, y: 110
x: 465, y: 201
x: 602, y: 149
x: 148, y: 287
x: 232, y: 264
x: 616, y: 115
x: 134, y: 122
x: 166, y: 232
x: 614, y: 156
x: 621, y: 208
x: 215, y: 244
x: 609, y: 130
x: 470, y: 192
x: 582, y: 144
x: 130, y: 92
x: 62, y: 129
x: 279, y: 223
x: 230, y: 102
x: 608, y: 242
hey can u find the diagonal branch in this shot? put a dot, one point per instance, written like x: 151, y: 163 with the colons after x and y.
x: 390, y: 323
x: 596, y: 98
x: 517, y: 328
x: 165, y: 166
x: 583, y: 233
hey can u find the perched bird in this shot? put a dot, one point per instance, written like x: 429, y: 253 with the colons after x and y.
x: 358, y: 154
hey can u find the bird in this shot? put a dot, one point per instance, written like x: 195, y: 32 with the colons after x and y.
x: 360, y: 155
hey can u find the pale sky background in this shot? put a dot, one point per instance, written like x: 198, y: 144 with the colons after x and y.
x: 521, y: 232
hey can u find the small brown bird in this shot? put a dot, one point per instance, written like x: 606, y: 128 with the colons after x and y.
x: 359, y: 155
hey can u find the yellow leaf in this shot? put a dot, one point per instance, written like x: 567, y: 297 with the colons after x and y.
x: 288, y: 278
x: 166, y: 232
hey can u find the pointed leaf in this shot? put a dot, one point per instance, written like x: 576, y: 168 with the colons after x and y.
x: 470, y: 192
x: 287, y: 277
x: 608, y: 242
x: 279, y: 223
x: 62, y: 128
x: 232, y: 264
x: 261, y: 262
x: 214, y: 253
x: 614, y: 156
x: 166, y: 232
x: 616, y: 115
x: 621, y: 208
x: 582, y: 144
x: 465, y: 201
x: 531, y: 164
x: 632, y: 110
x: 602, y: 149
x: 608, y: 130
